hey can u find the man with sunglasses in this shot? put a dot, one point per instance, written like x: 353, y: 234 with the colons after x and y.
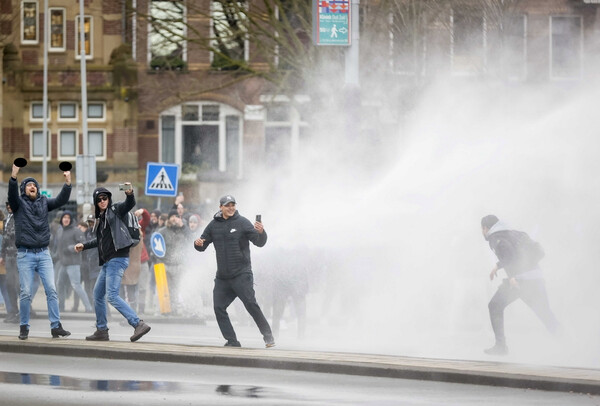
x: 32, y: 236
x: 113, y: 243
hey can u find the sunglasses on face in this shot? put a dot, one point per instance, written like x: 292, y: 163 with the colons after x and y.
x: 102, y: 198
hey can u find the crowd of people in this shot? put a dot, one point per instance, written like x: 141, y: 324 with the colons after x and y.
x: 97, y: 261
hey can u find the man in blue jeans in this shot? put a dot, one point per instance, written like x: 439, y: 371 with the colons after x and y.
x: 113, y: 242
x: 32, y: 236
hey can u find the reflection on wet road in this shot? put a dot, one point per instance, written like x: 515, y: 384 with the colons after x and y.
x: 114, y: 385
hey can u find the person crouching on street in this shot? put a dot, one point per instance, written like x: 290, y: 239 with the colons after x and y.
x: 113, y: 242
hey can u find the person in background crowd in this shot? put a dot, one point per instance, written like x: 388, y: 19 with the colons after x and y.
x: 8, y: 258
x: 32, y: 233
x: 176, y: 234
x: 71, y: 260
x: 113, y: 242
x: 231, y: 233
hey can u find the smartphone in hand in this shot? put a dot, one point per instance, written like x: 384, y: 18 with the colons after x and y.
x: 259, y: 218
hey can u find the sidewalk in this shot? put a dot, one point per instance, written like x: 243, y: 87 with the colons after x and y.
x: 468, y: 372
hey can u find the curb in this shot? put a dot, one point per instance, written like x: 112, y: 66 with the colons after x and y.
x: 466, y: 372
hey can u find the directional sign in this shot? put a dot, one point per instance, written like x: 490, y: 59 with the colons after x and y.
x: 161, y: 179
x: 158, y: 244
x: 46, y: 193
x: 331, y: 22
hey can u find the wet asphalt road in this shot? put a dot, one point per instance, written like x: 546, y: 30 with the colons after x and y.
x: 50, y: 380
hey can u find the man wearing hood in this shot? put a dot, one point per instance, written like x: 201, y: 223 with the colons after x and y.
x: 113, y: 242
x: 32, y: 236
x: 519, y: 256
x: 231, y: 234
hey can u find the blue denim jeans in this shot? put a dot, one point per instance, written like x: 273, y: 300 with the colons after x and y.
x: 74, y: 273
x: 28, y: 263
x: 107, y: 287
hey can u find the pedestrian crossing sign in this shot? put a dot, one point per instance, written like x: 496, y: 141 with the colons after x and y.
x: 161, y: 179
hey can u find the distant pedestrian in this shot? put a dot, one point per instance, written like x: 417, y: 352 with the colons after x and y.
x: 519, y: 256
x: 32, y: 237
x: 8, y: 258
x: 113, y: 242
x: 231, y: 233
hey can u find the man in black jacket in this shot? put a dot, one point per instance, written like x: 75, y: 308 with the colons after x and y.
x: 32, y: 236
x: 113, y: 242
x: 230, y: 233
x: 8, y: 256
x: 519, y: 256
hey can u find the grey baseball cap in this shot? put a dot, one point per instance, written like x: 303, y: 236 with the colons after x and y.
x: 227, y: 199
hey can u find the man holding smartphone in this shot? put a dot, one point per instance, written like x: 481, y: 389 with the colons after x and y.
x: 231, y: 233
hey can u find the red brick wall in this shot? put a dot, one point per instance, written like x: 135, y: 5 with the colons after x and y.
x: 112, y: 27
x: 30, y: 57
x: 5, y: 27
x: 5, y: 7
x: 111, y: 7
x: 15, y: 141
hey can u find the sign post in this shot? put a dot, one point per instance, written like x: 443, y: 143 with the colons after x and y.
x: 161, y: 179
x: 157, y: 243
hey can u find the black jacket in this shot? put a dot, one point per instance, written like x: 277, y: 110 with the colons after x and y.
x: 509, y: 247
x: 231, y: 239
x: 31, y: 216
x: 71, y: 235
x: 112, y: 222
x: 9, y: 249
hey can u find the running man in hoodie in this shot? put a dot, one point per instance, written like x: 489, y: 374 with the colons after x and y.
x: 113, y: 242
x: 231, y: 234
x: 517, y: 254
x: 32, y: 236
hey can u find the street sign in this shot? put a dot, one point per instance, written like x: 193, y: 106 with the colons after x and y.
x: 331, y: 22
x: 161, y: 179
x: 46, y: 193
x: 157, y: 243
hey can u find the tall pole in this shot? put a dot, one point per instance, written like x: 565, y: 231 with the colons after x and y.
x: 352, y: 100
x: 83, y: 75
x: 45, y: 99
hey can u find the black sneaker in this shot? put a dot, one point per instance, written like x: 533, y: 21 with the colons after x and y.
x: 24, y: 332
x: 99, y: 335
x: 232, y: 343
x: 140, y: 330
x: 59, y: 332
x: 498, y: 349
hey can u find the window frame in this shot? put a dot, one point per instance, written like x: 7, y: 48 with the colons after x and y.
x: 59, y: 144
x: 39, y: 158
x: 96, y: 119
x: 62, y: 48
x: 67, y: 119
x: 104, y: 142
x: 468, y: 69
x: 579, y: 74
x: 89, y: 56
x: 37, y: 23
x: 212, y: 34
x: 184, y: 43
x: 38, y: 119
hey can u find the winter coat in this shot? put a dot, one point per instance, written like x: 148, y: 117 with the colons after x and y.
x: 71, y: 236
x: 31, y: 216
x: 508, y: 245
x: 9, y: 249
x: 113, y: 221
x: 231, y: 238
x: 90, y: 259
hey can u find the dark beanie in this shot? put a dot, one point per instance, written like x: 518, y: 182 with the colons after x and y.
x: 488, y: 221
x: 173, y: 213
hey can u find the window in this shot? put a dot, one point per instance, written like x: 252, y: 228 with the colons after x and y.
x: 403, y: 44
x: 67, y: 111
x: 36, y: 111
x: 514, y: 52
x: 97, y: 144
x: 566, y: 44
x: 167, y: 31
x: 29, y: 22
x: 285, y: 129
x: 96, y: 111
x: 67, y: 144
x: 57, y: 30
x: 37, y: 145
x: 205, y: 138
x: 229, y: 34
x: 88, y: 30
x: 467, y: 42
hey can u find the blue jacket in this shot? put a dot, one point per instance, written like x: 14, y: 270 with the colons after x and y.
x: 31, y: 216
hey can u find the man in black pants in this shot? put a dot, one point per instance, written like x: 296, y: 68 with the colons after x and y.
x: 519, y: 256
x: 231, y: 233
